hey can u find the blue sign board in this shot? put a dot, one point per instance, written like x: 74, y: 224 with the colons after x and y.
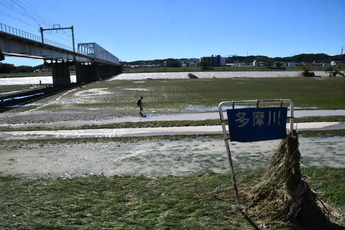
x: 257, y: 124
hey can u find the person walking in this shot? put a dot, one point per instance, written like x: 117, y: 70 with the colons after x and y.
x: 140, y: 104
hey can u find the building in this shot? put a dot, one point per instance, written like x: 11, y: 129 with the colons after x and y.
x: 190, y: 62
x: 258, y: 63
x: 215, y: 60
x: 168, y: 63
x: 285, y: 64
x: 289, y: 64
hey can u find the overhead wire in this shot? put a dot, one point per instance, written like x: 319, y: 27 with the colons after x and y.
x: 20, y: 10
x: 23, y: 10
x: 33, y: 12
x: 16, y: 18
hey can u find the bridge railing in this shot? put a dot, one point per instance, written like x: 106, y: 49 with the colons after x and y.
x: 96, y: 51
x: 101, y: 53
x: 33, y: 37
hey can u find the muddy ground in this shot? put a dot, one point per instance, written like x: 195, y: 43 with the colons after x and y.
x: 155, y: 158
x: 69, y: 114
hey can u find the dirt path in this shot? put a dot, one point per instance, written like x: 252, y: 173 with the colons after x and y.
x: 162, y: 157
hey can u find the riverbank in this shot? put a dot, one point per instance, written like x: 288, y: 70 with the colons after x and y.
x: 114, y: 101
x: 212, y: 74
x: 171, y: 181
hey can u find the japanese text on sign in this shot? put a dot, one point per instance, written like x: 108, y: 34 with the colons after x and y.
x: 255, y: 124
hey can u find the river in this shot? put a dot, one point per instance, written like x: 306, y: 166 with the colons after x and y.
x: 31, y: 80
x: 217, y: 74
x: 163, y: 75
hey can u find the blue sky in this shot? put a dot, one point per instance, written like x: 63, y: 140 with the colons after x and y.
x: 158, y: 29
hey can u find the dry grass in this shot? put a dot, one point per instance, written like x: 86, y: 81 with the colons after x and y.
x: 283, y: 195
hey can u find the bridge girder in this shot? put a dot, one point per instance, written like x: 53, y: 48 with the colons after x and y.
x: 91, y: 60
x: 18, y: 43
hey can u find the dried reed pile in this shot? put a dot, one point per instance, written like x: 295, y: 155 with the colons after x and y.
x: 283, y: 195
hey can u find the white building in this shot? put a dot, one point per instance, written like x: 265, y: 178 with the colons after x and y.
x: 190, y: 62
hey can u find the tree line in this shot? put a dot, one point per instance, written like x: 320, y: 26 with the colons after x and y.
x: 10, y: 68
x: 300, y: 58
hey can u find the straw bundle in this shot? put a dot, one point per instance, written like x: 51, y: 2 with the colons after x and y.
x: 282, y: 194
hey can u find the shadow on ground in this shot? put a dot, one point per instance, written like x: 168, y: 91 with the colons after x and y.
x: 23, y: 98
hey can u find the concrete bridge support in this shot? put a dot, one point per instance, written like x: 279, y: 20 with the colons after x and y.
x: 104, y: 71
x: 86, y: 73
x: 95, y: 71
x: 61, y: 74
x: 115, y: 69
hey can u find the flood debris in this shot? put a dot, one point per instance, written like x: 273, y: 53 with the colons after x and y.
x: 190, y: 75
x: 283, y: 195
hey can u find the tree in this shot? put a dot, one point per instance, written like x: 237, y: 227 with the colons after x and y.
x: 6, y: 68
x: 334, y: 71
x: 23, y: 69
x: 268, y: 63
x: 278, y: 64
x: 205, y: 64
x: 176, y: 64
x: 306, y: 68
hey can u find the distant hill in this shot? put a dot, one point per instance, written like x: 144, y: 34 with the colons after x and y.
x: 307, y: 58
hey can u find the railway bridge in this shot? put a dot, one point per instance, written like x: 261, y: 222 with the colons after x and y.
x: 90, y: 60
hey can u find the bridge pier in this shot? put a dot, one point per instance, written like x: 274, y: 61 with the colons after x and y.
x: 95, y: 71
x: 104, y: 71
x: 61, y: 74
x: 115, y: 69
x: 86, y: 73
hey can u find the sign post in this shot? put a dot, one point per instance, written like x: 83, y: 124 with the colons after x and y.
x: 253, y: 124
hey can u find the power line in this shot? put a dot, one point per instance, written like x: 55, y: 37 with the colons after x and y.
x: 16, y: 18
x: 20, y: 10
x: 33, y: 12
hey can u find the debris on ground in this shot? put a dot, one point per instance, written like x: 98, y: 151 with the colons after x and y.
x: 283, y: 195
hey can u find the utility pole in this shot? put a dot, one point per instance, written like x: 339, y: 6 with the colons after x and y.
x: 60, y: 28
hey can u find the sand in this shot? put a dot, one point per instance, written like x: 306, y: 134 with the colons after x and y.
x: 160, y: 158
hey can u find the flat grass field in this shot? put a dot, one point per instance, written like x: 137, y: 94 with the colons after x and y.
x: 203, y: 201
x: 175, y: 96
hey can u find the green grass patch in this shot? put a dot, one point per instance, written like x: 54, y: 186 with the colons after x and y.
x: 125, y: 202
x: 222, y: 68
x: 150, y: 124
x: 17, y: 144
x: 320, y: 119
x: 195, y: 95
x: 322, y: 133
x: 329, y: 184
